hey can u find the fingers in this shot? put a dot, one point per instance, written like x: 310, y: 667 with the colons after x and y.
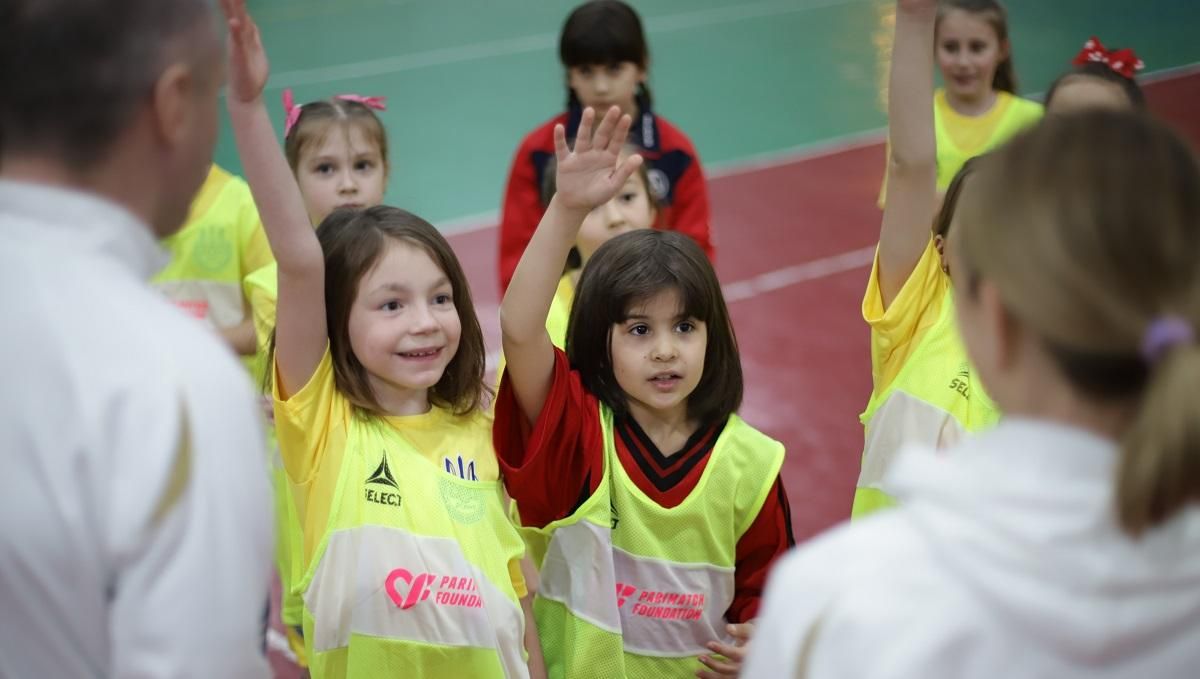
x: 734, y: 653
x: 604, y: 133
x: 719, y: 668
x: 560, y: 144
x: 583, y: 137
x: 741, y: 632
x: 626, y: 169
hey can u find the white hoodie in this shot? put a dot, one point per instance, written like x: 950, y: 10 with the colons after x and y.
x: 1004, y: 559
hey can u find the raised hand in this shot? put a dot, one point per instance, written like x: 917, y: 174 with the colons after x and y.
x: 591, y: 174
x: 248, y: 67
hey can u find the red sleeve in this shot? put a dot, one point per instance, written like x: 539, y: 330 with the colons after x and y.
x: 766, y: 540
x: 553, y: 466
x: 689, y: 212
x: 522, y: 208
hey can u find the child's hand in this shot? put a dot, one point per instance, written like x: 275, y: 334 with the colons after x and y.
x: 591, y: 175
x: 734, y: 655
x: 248, y: 68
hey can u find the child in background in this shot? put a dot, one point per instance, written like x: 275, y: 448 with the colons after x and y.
x: 1064, y: 543
x: 650, y: 508
x: 603, y: 49
x: 1101, y: 78
x: 923, y: 386
x: 378, y: 380
x: 221, y: 242
x: 977, y: 109
x: 338, y: 153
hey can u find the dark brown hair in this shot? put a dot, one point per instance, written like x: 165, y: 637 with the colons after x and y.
x: 1089, y: 243
x: 318, y: 118
x: 353, y: 241
x: 630, y: 269
x: 994, y: 12
x: 603, y: 32
x: 945, y: 215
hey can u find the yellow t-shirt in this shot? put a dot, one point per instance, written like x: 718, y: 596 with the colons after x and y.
x: 960, y: 138
x: 314, y: 434
x: 221, y: 242
x: 897, y: 331
x: 925, y: 391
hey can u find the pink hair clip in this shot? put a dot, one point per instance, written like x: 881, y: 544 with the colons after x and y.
x: 292, y: 110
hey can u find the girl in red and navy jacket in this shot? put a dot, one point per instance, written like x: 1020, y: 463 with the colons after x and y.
x: 603, y: 48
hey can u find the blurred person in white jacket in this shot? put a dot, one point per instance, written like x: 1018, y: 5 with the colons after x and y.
x: 135, y: 525
x: 1066, y: 542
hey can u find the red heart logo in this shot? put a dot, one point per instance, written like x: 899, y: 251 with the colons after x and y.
x: 418, y: 587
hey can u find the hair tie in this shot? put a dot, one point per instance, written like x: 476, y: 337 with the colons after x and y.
x: 1163, y: 334
x: 292, y: 111
x: 1123, y: 61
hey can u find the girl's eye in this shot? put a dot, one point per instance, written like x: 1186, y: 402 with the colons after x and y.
x: 614, y: 70
x: 686, y: 326
x: 639, y: 329
x: 324, y: 168
x: 391, y: 305
x: 443, y: 299
x: 364, y: 165
x: 978, y: 47
x: 628, y: 197
x: 585, y: 71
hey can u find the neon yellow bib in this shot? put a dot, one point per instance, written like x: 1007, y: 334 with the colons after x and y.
x: 633, y: 589
x: 934, y: 400
x: 411, y: 578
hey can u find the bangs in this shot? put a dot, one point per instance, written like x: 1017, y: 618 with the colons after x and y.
x: 605, y: 33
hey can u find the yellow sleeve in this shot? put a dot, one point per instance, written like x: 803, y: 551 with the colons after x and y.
x: 304, y: 422
x: 518, y: 578
x: 896, y: 330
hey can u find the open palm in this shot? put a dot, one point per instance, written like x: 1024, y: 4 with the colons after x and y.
x: 591, y: 174
x: 248, y: 68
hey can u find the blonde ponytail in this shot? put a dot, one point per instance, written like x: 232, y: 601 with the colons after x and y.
x: 1159, y: 470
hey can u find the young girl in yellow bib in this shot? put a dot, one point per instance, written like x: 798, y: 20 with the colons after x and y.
x: 977, y: 107
x: 409, y: 569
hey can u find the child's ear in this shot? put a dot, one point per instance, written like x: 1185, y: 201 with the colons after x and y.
x: 1005, y: 50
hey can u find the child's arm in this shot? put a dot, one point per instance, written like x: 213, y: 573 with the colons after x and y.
x: 587, y: 176
x: 912, y: 167
x: 301, y: 333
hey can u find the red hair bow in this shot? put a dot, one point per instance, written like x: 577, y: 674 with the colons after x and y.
x: 293, y: 110
x: 1123, y: 61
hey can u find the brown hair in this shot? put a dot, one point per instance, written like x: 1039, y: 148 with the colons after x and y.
x: 1088, y: 245
x: 353, y: 241
x: 630, y: 269
x: 993, y: 12
x: 318, y: 118
x: 945, y: 215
